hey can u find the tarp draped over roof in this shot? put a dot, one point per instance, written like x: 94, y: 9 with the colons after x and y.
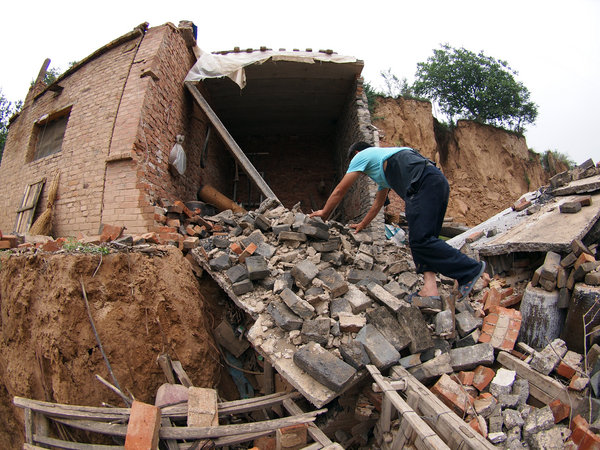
x: 232, y: 65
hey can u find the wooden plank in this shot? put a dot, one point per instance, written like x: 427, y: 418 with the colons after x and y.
x: 57, y: 443
x: 425, y: 437
x: 451, y: 428
x: 28, y: 426
x: 195, y: 432
x: 313, y: 431
x: 171, y: 443
x: 542, y: 387
x: 165, y: 364
x: 181, y: 374
x: 72, y: 412
x: 230, y: 143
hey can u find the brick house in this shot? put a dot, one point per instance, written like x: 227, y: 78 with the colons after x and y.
x: 108, y: 125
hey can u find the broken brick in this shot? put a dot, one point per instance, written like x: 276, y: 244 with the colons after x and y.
x: 143, y: 427
x: 482, y: 377
x: 560, y: 410
x: 501, y: 328
x: 453, y: 396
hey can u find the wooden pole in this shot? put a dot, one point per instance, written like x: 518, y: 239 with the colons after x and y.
x: 210, y: 195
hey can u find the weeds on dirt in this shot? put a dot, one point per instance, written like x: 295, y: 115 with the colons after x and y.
x: 71, y: 245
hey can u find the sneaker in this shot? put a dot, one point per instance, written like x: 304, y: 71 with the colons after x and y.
x: 465, y: 289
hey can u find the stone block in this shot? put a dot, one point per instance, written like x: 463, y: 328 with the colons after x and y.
x: 452, y: 395
x: 202, y: 407
x: 143, y: 427
x: 354, y: 353
x: 324, y: 367
x: 333, y: 281
x: 414, y: 360
x: 357, y: 299
x: 570, y: 207
x: 466, y: 322
x: 521, y: 388
x: 334, y: 258
x: 540, y: 419
x: 503, y: 382
x: 430, y: 305
x: 291, y: 236
x: 512, y: 418
x: 331, y: 245
x: 413, y: 325
x: 283, y: 316
x: 339, y: 305
x: 568, y: 260
x: 466, y: 358
x: 381, y: 353
x: 316, y: 330
x: 313, y: 232
x: 265, y: 250
x: 547, y: 360
x: 298, y: 305
x: 388, y: 326
x: 408, y: 279
x: 262, y: 222
x: 304, y: 272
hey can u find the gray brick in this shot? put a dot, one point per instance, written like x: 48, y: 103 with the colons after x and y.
x: 262, y: 222
x: 257, y: 267
x: 220, y: 263
x: 570, y: 207
x: 354, y: 353
x: 358, y: 300
x: 540, y: 419
x: 444, y: 323
x: 265, y: 250
x: 331, y: 245
x: 237, y: 273
x: 339, y: 305
x: 408, y: 279
x: 470, y: 339
x: 283, y: 316
x: 389, y: 327
x: 333, y: 281
x: 313, y: 232
x: 413, y: 324
x: 336, y: 258
x: 242, y: 287
x: 356, y: 275
x: 316, y: 330
x: 304, y: 272
x: 428, y: 304
x: 285, y: 280
x: 432, y: 369
x: 279, y: 228
x: 467, y: 322
x: 381, y: 295
x: 324, y: 367
x: 468, y: 358
x: 291, y: 236
x: 299, y: 306
x: 381, y: 353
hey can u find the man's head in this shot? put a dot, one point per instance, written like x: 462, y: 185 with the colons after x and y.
x: 357, y: 147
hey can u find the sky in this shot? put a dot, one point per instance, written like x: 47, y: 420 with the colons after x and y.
x: 553, y: 45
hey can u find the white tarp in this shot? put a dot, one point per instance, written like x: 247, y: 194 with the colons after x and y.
x: 232, y: 65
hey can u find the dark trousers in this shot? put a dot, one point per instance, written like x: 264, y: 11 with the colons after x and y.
x: 426, y: 205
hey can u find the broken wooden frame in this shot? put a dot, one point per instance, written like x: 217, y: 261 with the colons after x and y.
x: 113, y: 422
x: 425, y: 421
x: 230, y: 143
x: 26, y: 211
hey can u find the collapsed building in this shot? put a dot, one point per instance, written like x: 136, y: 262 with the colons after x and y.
x: 323, y: 306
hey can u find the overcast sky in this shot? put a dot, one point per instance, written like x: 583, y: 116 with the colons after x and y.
x: 554, y: 45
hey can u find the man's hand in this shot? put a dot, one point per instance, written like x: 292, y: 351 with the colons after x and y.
x: 320, y: 213
x: 357, y: 227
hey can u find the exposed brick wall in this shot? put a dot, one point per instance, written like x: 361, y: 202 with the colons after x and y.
x: 93, y: 92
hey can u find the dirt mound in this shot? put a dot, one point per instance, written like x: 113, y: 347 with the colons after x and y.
x: 142, y: 306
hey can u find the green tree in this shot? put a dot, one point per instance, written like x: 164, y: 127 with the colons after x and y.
x: 476, y: 87
x: 7, y: 109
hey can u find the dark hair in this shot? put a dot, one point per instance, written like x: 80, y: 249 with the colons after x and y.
x: 357, y: 147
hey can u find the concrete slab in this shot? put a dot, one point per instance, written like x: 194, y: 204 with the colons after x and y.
x: 585, y: 185
x: 546, y: 230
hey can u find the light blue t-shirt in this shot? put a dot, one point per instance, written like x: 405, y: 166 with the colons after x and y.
x: 370, y: 161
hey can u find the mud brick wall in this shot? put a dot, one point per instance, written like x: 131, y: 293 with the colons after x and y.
x: 92, y: 92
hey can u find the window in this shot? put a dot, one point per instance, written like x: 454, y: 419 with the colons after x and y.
x: 49, y: 134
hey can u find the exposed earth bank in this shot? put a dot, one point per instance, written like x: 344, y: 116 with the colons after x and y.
x: 142, y: 306
x: 488, y: 168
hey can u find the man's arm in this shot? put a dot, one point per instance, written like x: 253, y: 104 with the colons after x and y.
x: 337, y: 195
x: 375, y: 207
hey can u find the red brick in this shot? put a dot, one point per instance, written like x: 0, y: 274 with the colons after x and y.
x: 484, y: 338
x: 482, y: 377
x: 578, y: 427
x: 521, y: 204
x: 476, y: 425
x: 293, y: 437
x: 110, y: 232
x: 143, y: 427
x: 4, y: 245
x: 453, y: 396
x: 590, y: 441
x: 175, y: 223
x: 50, y: 246
x: 493, y: 299
x: 466, y: 378
x: 511, y: 301
x: 583, y: 258
x: 560, y: 411
x: 248, y: 251
x: 265, y: 443
x: 564, y: 370
x: 235, y: 247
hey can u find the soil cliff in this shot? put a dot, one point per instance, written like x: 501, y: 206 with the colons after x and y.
x: 488, y: 168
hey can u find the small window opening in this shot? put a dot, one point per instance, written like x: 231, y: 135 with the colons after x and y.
x: 49, y: 134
